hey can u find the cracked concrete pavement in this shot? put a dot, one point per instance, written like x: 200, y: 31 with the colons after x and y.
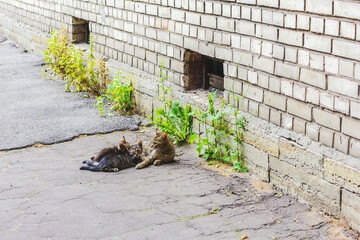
x: 44, y: 195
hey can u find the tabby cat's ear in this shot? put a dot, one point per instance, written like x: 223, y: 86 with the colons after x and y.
x: 122, y: 147
x: 158, y: 132
x: 163, y: 136
x: 123, y: 141
x: 140, y: 143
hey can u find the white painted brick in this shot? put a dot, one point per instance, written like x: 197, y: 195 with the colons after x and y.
x: 342, y: 105
x: 256, y: 15
x: 287, y: 87
x: 299, y: 125
x: 236, y: 11
x: 217, y: 8
x: 254, y: 108
x: 347, y: 30
x: 291, y: 54
x: 193, y: 18
x: 223, y: 53
x: 299, y: 92
x: 317, y: 42
x: 254, y: 93
x: 256, y: 46
x: 317, y: 25
x: 207, y: 49
x: 346, y: 68
x: 267, y: 16
x: 208, y: 7
x: 343, y: 86
x: 208, y: 21
x: 292, y: 5
x: 252, y: 77
x: 332, y: 27
x: 355, y: 109
x: 278, y: 19
x: 312, y: 95
x: 299, y: 109
x: 327, y: 100
x: 275, y: 100
x: 268, y: 3
x: 245, y: 43
x: 275, y: 117
x: 354, y: 148
x: 319, y: 6
x: 263, y: 80
x: 304, y: 57
x: 164, y: 12
x: 347, y: 9
x: 191, y: 43
x: 312, y: 131
x: 242, y: 73
x: 274, y: 84
x: 346, y: 49
x: 317, y: 61
x: 326, y: 137
x: 331, y: 64
x: 226, y: 10
x: 287, y: 121
x: 290, y: 20
x: 279, y: 51
x: 313, y: 78
x: 235, y: 41
x: 225, y: 38
x: 245, y: 12
x: 264, y: 112
x: 291, y: 37
x: 150, y: 9
x: 348, y: 125
x: 266, y: 32
x: 357, y: 70
x: 267, y: 49
x: 245, y: 27
x: 303, y: 21
x: 226, y: 24
x: 341, y: 142
x: 177, y: 15
x: 243, y: 58
x: 287, y: 70
x: 264, y: 64
x: 358, y: 31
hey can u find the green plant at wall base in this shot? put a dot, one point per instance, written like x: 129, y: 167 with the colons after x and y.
x: 174, y: 119
x: 120, y: 95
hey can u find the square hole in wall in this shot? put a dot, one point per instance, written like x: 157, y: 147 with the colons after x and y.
x: 80, y: 31
x: 203, y: 71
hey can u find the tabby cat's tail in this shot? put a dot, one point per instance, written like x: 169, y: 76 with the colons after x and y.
x: 90, y: 168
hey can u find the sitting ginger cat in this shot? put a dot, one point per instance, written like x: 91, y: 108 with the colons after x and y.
x: 161, y: 150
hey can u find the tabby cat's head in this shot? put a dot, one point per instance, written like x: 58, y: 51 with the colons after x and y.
x: 159, y: 140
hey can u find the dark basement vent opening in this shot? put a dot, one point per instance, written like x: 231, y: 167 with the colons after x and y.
x: 80, y: 31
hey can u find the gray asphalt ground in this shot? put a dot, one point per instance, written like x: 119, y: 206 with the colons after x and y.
x: 36, y: 110
x: 44, y: 195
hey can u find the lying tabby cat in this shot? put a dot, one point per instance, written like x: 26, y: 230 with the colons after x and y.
x: 161, y: 150
x: 116, y: 158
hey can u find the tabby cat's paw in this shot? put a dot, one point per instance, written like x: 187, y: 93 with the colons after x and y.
x: 157, y: 162
x: 139, y: 166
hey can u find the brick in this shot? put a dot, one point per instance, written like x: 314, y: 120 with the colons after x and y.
x: 256, y: 15
x: 279, y: 52
x: 342, y: 105
x: 287, y: 87
x: 304, y: 57
x: 256, y: 46
x: 341, y: 143
x: 303, y: 21
x: 245, y: 27
x: 267, y: 49
x: 355, y: 109
x: 263, y: 80
x: 327, y: 100
x: 274, y: 84
x: 354, y: 149
x: 317, y: 25
x: 290, y: 20
x: 346, y: 49
x: 193, y: 18
x: 347, y: 9
x: 286, y: 70
x: 317, y: 61
x: 275, y: 100
x: 256, y: 160
x: 191, y: 43
x: 348, y: 126
x: 332, y: 27
x: 266, y: 32
x: 223, y: 53
x: 350, y: 209
x: 253, y: 77
x: 264, y: 112
x: 208, y: 21
x: 278, y: 19
x: 326, y: 137
x: 177, y: 15
x: 299, y: 125
x: 254, y: 93
x: 242, y: 58
x: 346, y: 68
x: 275, y: 117
x: 326, y: 119
x: 226, y: 24
x: 316, y: 191
x: 347, y: 30
x: 287, y: 121
x: 254, y: 108
x: 245, y: 12
x: 343, y: 86
x: 299, y: 109
x: 207, y: 49
x: 268, y: 3
x: 331, y: 64
x: 312, y: 95
x: 299, y: 92
x: 245, y: 43
x: 291, y: 54
x: 236, y: 10
x: 317, y: 79
x: 312, y: 131
x: 264, y: 64
x: 291, y: 37
x: 294, y: 5
x: 151, y: 9
x: 164, y: 12
x: 317, y: 42
x: 319, y: 6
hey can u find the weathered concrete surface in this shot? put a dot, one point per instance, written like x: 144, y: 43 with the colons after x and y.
x: 44, y: 195
x: 34, y: 110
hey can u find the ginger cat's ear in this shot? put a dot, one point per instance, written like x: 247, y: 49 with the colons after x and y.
x: 123, y: 141
x: 158, y: 132
x: 163, y: 136
x: 140, y: 143
x: 122, y: 147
